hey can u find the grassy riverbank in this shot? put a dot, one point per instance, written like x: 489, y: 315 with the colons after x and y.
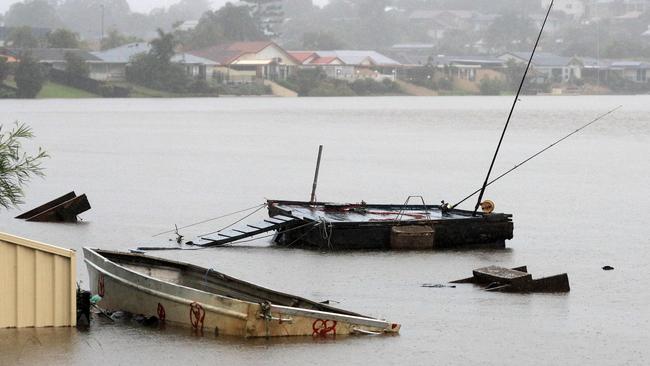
x: 53, y: 90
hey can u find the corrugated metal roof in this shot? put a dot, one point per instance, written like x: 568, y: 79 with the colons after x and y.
x: 543, y: 58
x: 53, y: 54
x: 186, y: 58
x: 123, y: 54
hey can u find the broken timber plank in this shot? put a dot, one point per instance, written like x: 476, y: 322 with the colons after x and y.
x: 282, y: 218
x: 47, y: 206
x: 516, y: 280
x: 261, y: 225
x: 501, y: 275
x: 64, y: 212
x: 242, y: 232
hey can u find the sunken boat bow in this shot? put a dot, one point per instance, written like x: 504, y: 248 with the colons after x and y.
x: 385, y: 226
x: 210, y: 301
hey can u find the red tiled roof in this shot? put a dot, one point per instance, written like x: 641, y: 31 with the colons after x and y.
x: 226, y: 53
x: 324, y: 60
x: 301, y: 56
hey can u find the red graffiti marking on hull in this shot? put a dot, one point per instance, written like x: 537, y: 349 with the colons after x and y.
x: 323, y: 328
x: 100, y: 285
x: 197, y: 316
x: 161, y: 312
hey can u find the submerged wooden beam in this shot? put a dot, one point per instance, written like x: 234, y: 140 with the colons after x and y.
x: 516, y: 280
x: 47, y: 206
x: 63, y: 209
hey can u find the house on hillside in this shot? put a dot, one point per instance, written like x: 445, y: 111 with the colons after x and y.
x: 412, y: 53
x: 366, y: 64
x: 634, y: 71
x: 604, y: 70
x: 52, y: 57
x: 573, y: 8
x: 439, y: 22
x: 469, y: 68
x: 187, y: 25
x: 245, y: 62
x: 606, y: 9
x: 595, y: 70
x: 115, y: 61
x: 332, y: 66
x: 548, y: 67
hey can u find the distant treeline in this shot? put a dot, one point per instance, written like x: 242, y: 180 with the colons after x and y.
x: 493, y: 27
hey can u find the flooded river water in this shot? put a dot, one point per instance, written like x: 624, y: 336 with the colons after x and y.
x: 149, y: 164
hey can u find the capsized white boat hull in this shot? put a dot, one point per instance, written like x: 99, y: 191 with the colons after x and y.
x: 162, y: 290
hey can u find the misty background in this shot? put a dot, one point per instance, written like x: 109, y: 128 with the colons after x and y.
x: 145, y: 6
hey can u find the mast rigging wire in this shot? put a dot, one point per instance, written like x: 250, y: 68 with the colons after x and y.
x: 212, y: 219
x: 540, y: 152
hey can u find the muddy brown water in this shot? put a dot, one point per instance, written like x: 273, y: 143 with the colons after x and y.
x: 149, y: 164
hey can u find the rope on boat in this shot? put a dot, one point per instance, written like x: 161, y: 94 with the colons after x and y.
x: 315, y: 225
x: 212, y: 219
x: 236, y: 222
x: 540, y: 152
x: 205, y: 277
x: 326, y: 231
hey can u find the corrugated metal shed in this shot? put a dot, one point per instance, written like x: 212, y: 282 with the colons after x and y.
x: 37, y: 284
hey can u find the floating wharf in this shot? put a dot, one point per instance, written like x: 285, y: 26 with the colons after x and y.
x: 363, y: 226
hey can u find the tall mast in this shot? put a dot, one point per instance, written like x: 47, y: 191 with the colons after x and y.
x: 512, y: 109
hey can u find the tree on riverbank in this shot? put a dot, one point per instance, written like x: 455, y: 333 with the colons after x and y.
x: 29, y: 77
x: 16, y: 166
x: 155, y: 69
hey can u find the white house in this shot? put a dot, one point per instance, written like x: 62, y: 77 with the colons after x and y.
x: 248, y: 61
x: 547, y: 66
x: 115, y: 61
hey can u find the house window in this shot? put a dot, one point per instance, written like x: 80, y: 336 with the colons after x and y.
x: 641, y: 75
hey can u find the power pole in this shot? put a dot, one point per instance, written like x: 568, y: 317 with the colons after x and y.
x: 102, y: 37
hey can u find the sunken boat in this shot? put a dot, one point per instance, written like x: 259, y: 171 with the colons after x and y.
x: 209, y: 301
x: 364, y: 226
x: 384, y: 226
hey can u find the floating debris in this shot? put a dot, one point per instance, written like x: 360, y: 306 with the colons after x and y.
x: 437, y: 285
x: 62, y: 209
x: 516, y: 280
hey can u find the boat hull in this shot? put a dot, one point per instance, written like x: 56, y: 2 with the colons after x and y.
x: 460, y: 231
x: 131, y: 291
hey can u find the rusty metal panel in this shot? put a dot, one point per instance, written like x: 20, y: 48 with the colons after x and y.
x: 37, y: 284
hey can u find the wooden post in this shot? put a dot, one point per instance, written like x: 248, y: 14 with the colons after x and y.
x: 313, y: 188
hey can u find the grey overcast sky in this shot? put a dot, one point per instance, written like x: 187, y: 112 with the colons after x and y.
x: 144, y: 5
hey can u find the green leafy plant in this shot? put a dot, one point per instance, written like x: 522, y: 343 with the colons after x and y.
x: 16, y: 166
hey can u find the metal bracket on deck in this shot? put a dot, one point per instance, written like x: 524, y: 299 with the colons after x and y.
x: 400, y: 214
x: 280, y: 319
